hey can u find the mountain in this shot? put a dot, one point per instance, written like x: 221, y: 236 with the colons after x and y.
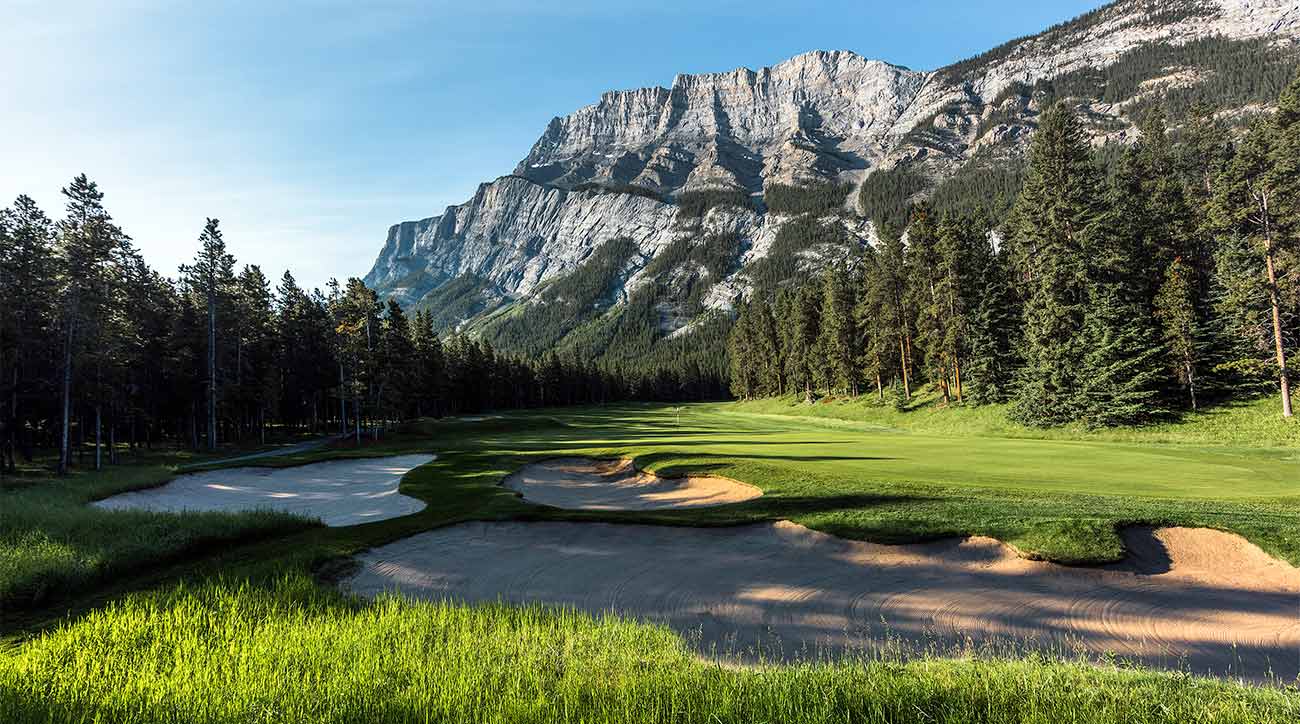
x: 634, y: 224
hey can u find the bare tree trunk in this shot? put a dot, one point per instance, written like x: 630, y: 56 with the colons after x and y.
x: 99, y: 432
x: 65, y: 449
x: 1277, y: 333
x: 356, y: 412
x: 956, y: 367
x: 1277, y: 313
x: 13, y: 423
x: 343, y: 404
x: 212, y: 363
x: 902, y: 353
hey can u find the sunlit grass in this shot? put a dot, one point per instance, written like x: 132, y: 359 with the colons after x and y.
x: 291, y: 652
x: 52, y: 543
x: 1246, y: 423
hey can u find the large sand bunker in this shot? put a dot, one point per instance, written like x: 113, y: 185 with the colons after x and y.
x: 585, y: 484
x: 338, y: 492
x: 1194, y: 598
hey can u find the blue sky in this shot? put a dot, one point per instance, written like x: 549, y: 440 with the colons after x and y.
x: 309, y: 127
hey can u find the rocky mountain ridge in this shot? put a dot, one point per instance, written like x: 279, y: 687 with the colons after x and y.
x: 626, y: 166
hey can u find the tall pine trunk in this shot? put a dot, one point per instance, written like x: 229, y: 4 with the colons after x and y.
x: 902, y: 355
x: 99, y: 434
x: 13, y: 422
x: 65, y: 449
x: 212, y: 364
x: 956, y: 367
x: 343, y: 404
x: 1277, y: 317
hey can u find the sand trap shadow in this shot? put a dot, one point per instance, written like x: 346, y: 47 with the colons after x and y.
x: 781, y: 589
x: 585, y: 484
x: 338, y: 492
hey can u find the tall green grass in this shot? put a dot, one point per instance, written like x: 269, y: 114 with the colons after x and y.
x: 52, y: 543
x: 290, y: 652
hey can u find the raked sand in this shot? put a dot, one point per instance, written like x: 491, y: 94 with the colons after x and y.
x: 1198, y: 599
x: 338, y: 492
x: 585, y: 484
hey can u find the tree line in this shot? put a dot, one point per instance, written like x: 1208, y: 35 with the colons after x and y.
x: 100, y: 353
x: 1114, y: 292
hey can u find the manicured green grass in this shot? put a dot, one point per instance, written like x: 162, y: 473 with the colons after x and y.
x: 291, y: 652
x: 1250, y: 423
x: 218, y: 650
x: 1057, y: 499
x: 937, y: 473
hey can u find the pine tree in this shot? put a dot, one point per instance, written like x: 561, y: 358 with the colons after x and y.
x: 767, y: 350
x: 955, y: 293
x: 742, y: 357
x: 1049, y: 231
x: 873, y: 341
x: 800, y: 341
x: 888, y: 299
x: 836, y: 344
x: 1247, y: 206
x: 88, y: 239
x: 212, y: 279
x: 397, y: 359
x: 1285, y: 178
x: 28, y: 291
x: 1123, y: 371
x: 1175, y: 308
x: 355, y: 312
x: 429, y: 367
x: 923, y: 299
x: 994, y: 328
x: 255, y: 383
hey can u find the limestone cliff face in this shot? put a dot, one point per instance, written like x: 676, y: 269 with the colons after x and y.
x: 821, y: 116
x: 815, y: 115
x: 516, y: 233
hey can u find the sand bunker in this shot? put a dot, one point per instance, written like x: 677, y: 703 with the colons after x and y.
x: 1197, y: 599
x: 585, y: 484
x: 338, y: 492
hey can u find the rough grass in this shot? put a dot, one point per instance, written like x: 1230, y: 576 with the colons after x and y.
x: 290, y: 652
x: 52, y: 543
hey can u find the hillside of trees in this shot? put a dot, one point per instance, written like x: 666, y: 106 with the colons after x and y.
x: 1118, y: 290
x: 99, y: 352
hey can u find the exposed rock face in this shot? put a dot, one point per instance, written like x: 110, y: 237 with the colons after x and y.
x: 815, y: 115
x: 515, y: 233
x: 819, y: 116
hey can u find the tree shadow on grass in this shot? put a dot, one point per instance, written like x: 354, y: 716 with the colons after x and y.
x: 651, y: 460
